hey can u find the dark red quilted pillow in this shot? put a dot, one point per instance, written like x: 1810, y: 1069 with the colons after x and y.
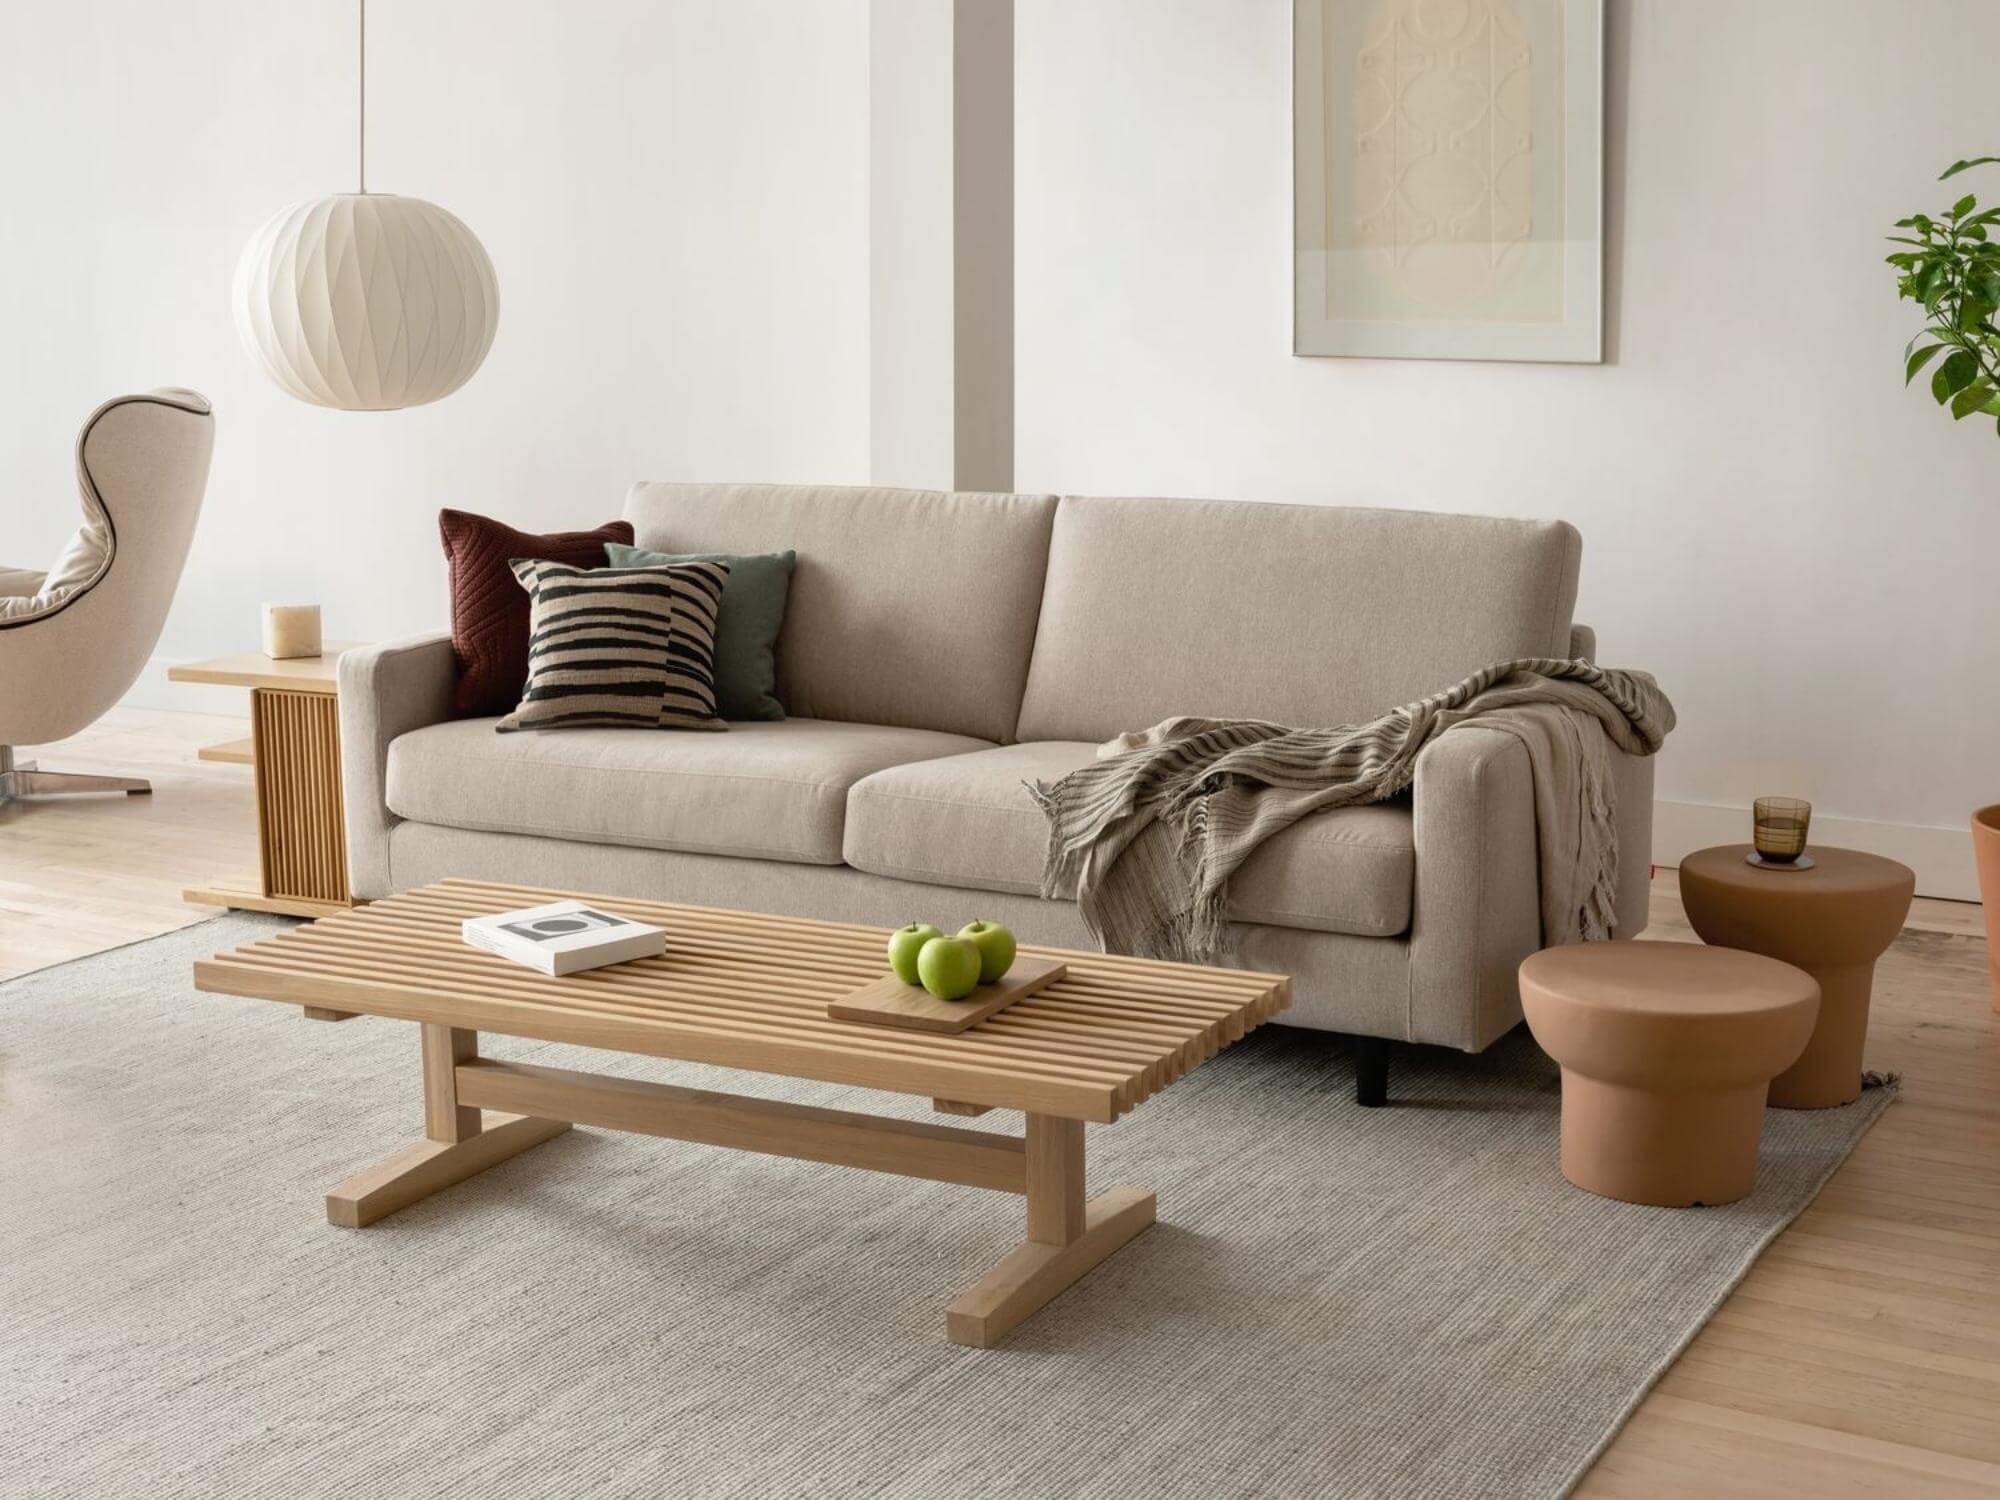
x: 489, y: 609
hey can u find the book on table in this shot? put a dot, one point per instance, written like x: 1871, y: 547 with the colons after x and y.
x: 564, y: 937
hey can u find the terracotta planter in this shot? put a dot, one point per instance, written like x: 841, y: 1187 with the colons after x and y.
x: 1986, y: 850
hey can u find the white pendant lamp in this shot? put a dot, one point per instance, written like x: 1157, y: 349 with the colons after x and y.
x: 366, y: 301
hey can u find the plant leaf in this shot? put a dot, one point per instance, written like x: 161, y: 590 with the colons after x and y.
x: 1918, y: 360
x: 1954, y: 375
x: 1959, y: 166
x: 1964, y: 206
x: 1973, y: 398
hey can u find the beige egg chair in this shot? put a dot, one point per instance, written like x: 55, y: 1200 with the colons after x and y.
x: 74, y: 638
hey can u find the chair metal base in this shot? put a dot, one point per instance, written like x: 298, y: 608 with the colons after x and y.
x: 18, y: 782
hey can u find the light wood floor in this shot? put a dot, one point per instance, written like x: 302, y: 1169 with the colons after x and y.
x: 79, y: 874
x: 1861, y: 1356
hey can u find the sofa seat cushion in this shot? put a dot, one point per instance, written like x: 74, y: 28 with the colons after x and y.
x: 762, y: 791
x: 969, y: 821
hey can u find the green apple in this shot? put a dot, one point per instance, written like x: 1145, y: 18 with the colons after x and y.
x: 949, y: 967
x: 905, y: 943
x: 996, y: 948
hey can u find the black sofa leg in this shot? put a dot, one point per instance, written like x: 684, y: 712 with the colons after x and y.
x: 1371, y: 1071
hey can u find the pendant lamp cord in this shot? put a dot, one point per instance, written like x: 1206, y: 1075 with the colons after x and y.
x: 362, y: 154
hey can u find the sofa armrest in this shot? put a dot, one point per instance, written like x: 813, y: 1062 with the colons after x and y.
x: 1632, y: 781
x: 1476, y: 911
x: 385, y: 691
x: 1582, y: 643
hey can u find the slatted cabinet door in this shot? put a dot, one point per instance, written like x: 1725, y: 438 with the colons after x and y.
x: 300, y: 819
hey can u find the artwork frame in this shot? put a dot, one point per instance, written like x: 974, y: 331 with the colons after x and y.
x: 1448, y: 179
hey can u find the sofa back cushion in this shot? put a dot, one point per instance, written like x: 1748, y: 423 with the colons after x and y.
x: 1311, y: 616
x: 913, y: 608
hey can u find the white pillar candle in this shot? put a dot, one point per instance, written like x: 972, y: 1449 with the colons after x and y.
x: 291, y: 630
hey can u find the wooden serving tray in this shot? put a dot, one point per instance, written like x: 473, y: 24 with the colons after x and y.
x: 890, y: 1002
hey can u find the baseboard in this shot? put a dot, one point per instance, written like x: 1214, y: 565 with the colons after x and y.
x: 1942, y: 857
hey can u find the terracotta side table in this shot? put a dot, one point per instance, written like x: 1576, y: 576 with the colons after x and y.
x: 1833, y: 921
x: 1667, y: 1050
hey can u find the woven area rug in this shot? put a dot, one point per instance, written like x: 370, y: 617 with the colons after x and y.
x: 1406, y: 1301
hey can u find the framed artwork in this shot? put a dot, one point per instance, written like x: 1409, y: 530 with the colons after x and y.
x: 1448, y: 178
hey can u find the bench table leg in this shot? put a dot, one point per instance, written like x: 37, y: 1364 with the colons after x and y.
x: 1067, y: 1234
x: 460, y: 1141
x: 1067, y: 1237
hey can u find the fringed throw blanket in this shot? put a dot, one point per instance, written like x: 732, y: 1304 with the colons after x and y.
x: 1149, y: 836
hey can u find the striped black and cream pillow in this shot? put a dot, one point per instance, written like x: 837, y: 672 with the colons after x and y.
x: 689, y: 701
x: 595, y: 633
x: 599, y: 646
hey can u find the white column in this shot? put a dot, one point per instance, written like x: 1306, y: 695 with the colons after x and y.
x: 941, y: 243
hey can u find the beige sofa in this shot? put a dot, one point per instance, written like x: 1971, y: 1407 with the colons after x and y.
x: 941, y: 649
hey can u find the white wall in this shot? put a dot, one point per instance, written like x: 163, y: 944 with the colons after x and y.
x: 1799, y: 549
x: 910, y: 243
x: 676, y: 196
x: 674, y: 193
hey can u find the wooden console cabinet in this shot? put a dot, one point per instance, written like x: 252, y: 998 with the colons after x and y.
x: 294, y: 750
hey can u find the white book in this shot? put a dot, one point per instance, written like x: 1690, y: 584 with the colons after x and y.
x: 564, y: 937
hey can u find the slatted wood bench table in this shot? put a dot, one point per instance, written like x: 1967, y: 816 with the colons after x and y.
x: 740, y: 990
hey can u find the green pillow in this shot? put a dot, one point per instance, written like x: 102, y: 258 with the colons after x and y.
x: 746, y: 632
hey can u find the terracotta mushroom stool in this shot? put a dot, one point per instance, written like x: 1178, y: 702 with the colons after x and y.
x: 1667, y: 1050
x: 1833, y: 921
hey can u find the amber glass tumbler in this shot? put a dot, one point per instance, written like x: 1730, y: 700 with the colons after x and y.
x: 1780, y: 828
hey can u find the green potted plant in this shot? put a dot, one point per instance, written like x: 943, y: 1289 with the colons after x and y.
x: 1950, y: 264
